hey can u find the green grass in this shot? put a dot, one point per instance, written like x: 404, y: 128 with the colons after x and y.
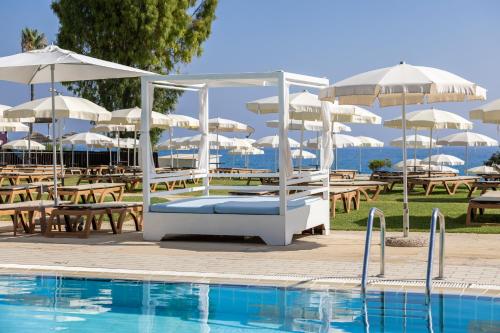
x: 454, y: 208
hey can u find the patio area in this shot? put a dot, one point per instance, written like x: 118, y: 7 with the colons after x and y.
x: 315, y: 261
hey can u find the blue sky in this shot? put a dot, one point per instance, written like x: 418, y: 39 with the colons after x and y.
x: 333, y: 39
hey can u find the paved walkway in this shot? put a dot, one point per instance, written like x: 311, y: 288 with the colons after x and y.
x: 470, y: 259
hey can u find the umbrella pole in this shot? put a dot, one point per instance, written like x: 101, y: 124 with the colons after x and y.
x: 359, y: 159
x: 61, y: 156
x: 29, y: 141
x: 466, y: 159
x: 72, y: 155
x: 135, y: 147
x: 118, y: 149
x: 406, y: 211
x: 336, y: 159
x: 54, y: 150
x: 430, y: 153
x: 276, y: 159
x: 22, y: 156
x: 87, y: 157
x: 170, y: 130
x: 415, y: 152
x: 301, y: 146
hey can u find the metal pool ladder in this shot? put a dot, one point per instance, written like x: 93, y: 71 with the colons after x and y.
x: 436, y: 216
x: 374, y: 212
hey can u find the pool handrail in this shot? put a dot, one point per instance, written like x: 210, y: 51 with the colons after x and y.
x: 436, y: 216
x: 374, y: 212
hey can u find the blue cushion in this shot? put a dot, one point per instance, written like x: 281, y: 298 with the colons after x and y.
x: 195, y: 205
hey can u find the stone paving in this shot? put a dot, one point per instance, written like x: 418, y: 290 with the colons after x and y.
x: 471, y: 259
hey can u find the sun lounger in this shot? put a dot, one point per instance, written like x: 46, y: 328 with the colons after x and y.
x: 343, y: 174
x: 369, y: 188
x: 451, y: 184
x: 348, y: 195
x: 78, y: 219
x: 489, y: 200
x: 88, y: 193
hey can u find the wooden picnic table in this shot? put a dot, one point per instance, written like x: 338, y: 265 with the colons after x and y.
x: 91, y: 193
x: 483, y: 185
x: 369, y: 188
x: 490, y: 200
x: 347, y: 194
x: 15, y: 178
x: 451, y: 184
x: 79, y: 218
x: 490, y: 176
x: 344, y: 174
x: 26, y: 213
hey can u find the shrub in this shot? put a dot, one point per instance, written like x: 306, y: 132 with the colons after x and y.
x: 494, y: 159
x: 376, y: 165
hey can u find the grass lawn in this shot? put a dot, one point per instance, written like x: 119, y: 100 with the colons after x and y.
x: 454, y: 207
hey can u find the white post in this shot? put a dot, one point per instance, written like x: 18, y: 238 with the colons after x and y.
x: 170, y: 130
x: 301, y: 146
x: 145, y: 142
x: 406, y: 210
x: 135, y: 148
x: 60, y: 129
x: 283, y: 136
x: 466, y: 159
x: 87, y: 147
x: 430, y: 153
x: 359, y: 159
x: 415, y: 151
x: 205, y: 142
x: 54, y: 149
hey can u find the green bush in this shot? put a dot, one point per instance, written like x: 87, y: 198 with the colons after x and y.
x: 376, y: 165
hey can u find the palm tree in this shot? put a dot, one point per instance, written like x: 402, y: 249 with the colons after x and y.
x: 32, y: 39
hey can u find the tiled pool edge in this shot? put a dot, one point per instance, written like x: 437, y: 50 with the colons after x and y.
x: 306, y: 282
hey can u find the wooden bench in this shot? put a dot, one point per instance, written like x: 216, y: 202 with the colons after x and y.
x: 348, y: 195
x: 91, y: 193
x: 450, y: 184
x: 369, y: 188
x: 78, y: 219
x: 483, y: 185
x: 489, y: 200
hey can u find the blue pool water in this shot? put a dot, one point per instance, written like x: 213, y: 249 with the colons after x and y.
x: 47, y: 304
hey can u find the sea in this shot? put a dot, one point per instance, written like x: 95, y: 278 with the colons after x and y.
x: 357, y: 158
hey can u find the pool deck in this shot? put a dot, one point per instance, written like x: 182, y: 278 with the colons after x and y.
x: 313, y: 261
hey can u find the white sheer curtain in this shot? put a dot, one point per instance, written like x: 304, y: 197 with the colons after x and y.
x: 203, y: 152
x: 152, y: 169
x: 326, y: 137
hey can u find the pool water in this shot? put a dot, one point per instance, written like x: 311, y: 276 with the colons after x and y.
x: 46, y: 304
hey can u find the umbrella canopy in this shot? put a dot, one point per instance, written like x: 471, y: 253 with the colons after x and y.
x: 173, y: 143
x: 309, y: 125
x: 217, y: 125
x: 64, y: 107
x: 107, y: 128
x: 366, y: 141
x: 403, y: 83
x: 443, y: 159
x: 430, y: 119
x: 35, y: 67
x: 440, y: 168
x: 343, y: 141
x: 353, y: 114
x: 179, y: 120
x: 487, y: 113
x: 89, y: 139
x: 246, y: 151
x: 468, y: 139
x: 132, y: 116
x: 483, y: 169
x: 53, y: 64
x: 123, y: 143
x: 216, y: 141
x: 241, y: 143
x: 273, y: 141
x: 409, y: 163
x: 13, y: 127
x: 23, y: 145
x: 20, y: 120
x: 415, y: 141
x: 297, y: 153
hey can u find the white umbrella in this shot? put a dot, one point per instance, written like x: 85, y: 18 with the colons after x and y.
x: 13, y: 127
x: 468, y: 139
x: 218, y: 125
x: 246, y: 152
x: 273, y: 141
x: 411, y: 163
x: 401, y: 85
x: 430, y: 119
x: 343, y: 141
x: 487, y: 113
x: 4, y: 108
x: 108, y: 128
x: 89, y: 139
x: 353, y: 114
x: 440, y: 168
x: 53, y: 64
x: 64, y: 107
x: 296, y: 153
x: 367, y: 141
x: 23, y: 145
x: 416, y: 141
x: 443, y: 159
x: 483, y: 170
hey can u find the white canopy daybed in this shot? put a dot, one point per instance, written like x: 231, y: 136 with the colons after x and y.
x: 275, y: 219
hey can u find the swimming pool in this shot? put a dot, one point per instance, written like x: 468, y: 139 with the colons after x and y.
x: 43, y: 304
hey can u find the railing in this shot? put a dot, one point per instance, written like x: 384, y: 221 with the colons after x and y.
x: 374, y: 212
x: 436, y: 215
